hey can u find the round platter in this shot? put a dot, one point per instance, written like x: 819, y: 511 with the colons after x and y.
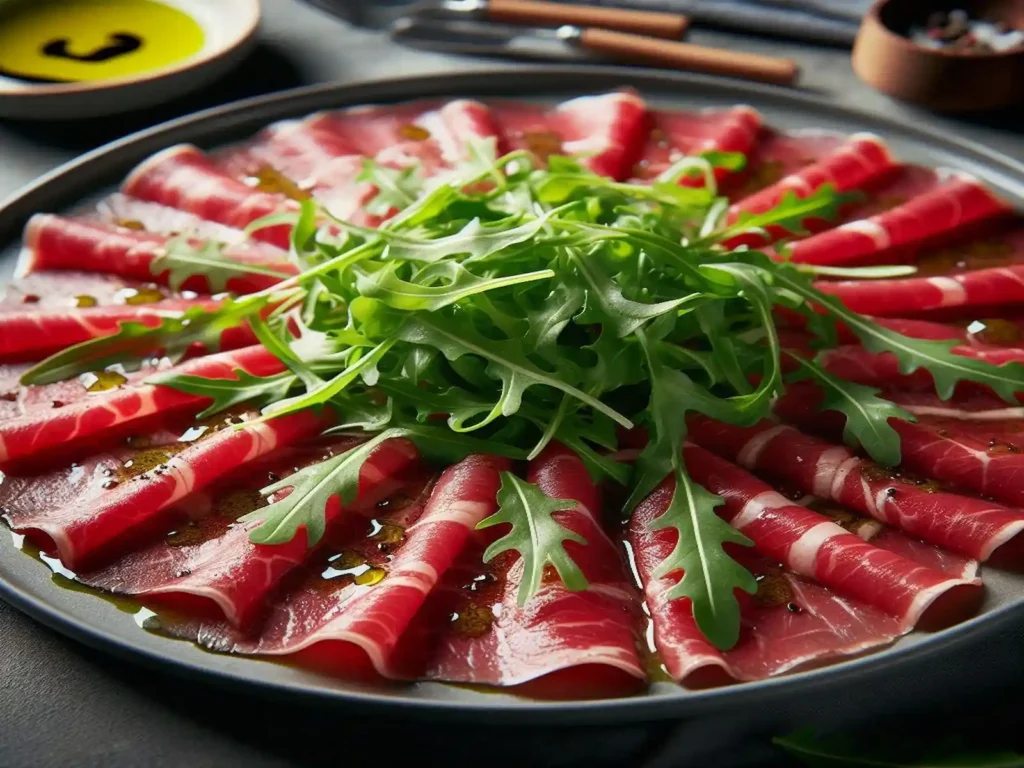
x: 917, y: 667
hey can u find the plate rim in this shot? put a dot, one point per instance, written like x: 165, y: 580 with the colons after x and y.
x: 574, y: 78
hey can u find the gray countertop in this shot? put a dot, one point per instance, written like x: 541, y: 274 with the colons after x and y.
x: 65, y: 705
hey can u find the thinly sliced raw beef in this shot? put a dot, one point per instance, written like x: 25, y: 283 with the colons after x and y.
x: 980, y: 529
x: 32, y: 334
x: 790, y: 623
x: 939, y: 295
x: 99, y: 508
x: 323, y: 154
x: 777, y: 154
x: 998, y: 246
x: 862, y: 159
x: 561, y: 643
x: 960, y: 202
x: 815, y: 547
x: 58, y: 243
x: 348, y: 621
x: 184, y: 177
x: 980, y: 455
x: 677, y: 134
x: 144, y: 216
x: 606, y: 132
x: 894, y: 540
x: 40, y: 426
x: 63, y: 290
x: 210, y: 568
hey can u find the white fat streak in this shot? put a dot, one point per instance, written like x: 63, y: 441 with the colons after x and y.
x: 841, y: 474
x: 154, y: 160
x: 803, y: 551
x: 869, y: 228
x: 754, y: 447
x: 756, y: 506
x: 264, y: 440
x: 825, y: 468
x: 994, y: 414
x: 464, y: 513
x: 952, y: 290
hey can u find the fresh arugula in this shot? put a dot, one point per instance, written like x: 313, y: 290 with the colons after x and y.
x: 536, y: 535
x: 180, y: 260
x: 501, y: 306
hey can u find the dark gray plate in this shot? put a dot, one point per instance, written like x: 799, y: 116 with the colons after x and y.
x: 918, y: 666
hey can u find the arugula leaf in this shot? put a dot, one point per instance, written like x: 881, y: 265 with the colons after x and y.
x: 226, y: 393
x: 384, y: 284
x: 135, y: 341
x: 621, y: 315
x: 536, y: 535
x: 836, y: 752
x: 946, y: 368
x: 312, y: 487
x: 867, y: 415
x: 396, y: 187
x: 790, y: 214
x: 180, y: 261
x: 507, y: 361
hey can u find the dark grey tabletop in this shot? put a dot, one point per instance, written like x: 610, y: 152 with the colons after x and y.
x: 62, y: 704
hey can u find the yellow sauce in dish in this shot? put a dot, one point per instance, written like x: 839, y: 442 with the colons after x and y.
x: 88, y: 40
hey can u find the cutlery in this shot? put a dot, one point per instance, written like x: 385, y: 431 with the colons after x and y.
x: 575, y: 43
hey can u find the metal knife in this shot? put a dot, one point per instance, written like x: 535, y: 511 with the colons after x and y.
x: 572, y: 43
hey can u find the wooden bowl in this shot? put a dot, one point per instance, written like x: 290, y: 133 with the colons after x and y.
x: 941, y: 80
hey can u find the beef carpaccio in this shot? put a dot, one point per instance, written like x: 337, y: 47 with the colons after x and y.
x: 129, y: 483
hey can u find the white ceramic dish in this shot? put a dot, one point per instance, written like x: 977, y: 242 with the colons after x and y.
x: 229, y: 30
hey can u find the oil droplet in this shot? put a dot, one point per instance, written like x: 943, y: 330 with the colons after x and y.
x: 85, y: 301
x: 414, y: 132
x: 101, y: 381
x: 138, y: 441
x: 793, y: 608
x: 659, y: 136
x: 134, y: 224
x: 1000, y: 448
x: 182, y: 573
x: 773, y: 589
x: 267, y: 179
x: 995, y: 331
x: 543, y: 143
x: 238, y: 503
x: 142, y: 462
x: 386, y: 535
x: 193, y: 433
x: 472, y: 620
x: 370, y: 576
x: 188, y: 535
x: 136, y: 296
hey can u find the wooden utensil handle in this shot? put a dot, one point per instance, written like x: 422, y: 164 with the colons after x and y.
x: 668, y: 25
x: 636, y: 48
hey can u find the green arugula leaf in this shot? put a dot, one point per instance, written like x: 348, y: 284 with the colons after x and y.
x: 606, y: 305
x: 312, y: 487
x: 836, y: 752
x: 226, y: 393
x: 536, y: 535
x: 946, y: 368
x: 180, y: 260
x: 134, y: 341
x: 867, y: 415
x: 396, y: 187
x: 507, y: 362
x: 459, y: 283
x: 790, y: 214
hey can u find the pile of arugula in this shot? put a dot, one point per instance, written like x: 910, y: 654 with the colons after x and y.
x: 524, y: 305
